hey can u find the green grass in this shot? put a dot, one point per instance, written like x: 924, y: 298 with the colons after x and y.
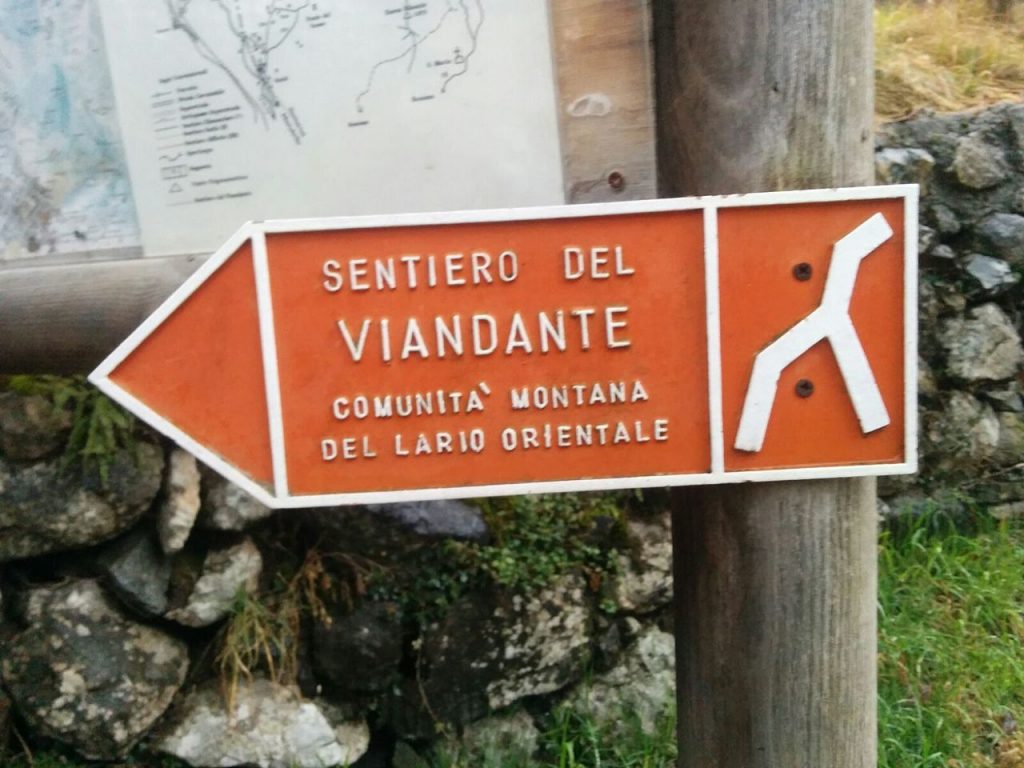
x: 951, y: 646
x: 572, y: 740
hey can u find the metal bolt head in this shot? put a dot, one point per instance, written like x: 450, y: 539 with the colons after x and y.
x: 803, y: 271
x: 616, y: 180
x: 804, y: 388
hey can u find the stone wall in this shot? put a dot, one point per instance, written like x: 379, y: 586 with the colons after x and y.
x: 149, y: 607
x: 971, y: 170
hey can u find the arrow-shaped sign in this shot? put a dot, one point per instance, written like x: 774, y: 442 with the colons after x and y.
x: 349, y: 360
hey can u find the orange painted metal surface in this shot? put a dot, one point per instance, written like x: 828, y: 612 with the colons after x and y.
x: 668, y: 342
x: 758, y: 251
x: 664, y: 308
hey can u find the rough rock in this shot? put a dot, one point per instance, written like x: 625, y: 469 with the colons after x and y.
x: 543, y: 644
x: 269, y: 726
x: 1008, y: 398
x: 511, y: 738
x: 943, y: 252
x: 181, y: 501
x: 991, y: 274
x: 927, y: 238
x: 964, y: 435
x: 83, y: 674
x: 898, y: 165
x: 1010, y: 448
x: 491, y: 650
x: 30, y: 427
x: 1002, y: 234
x: 926, y: 385
x: 226, y: 507
x: 642, y: 688
x: 1011, y: 510
x: 225, y: 573
x: 945, y: 220
x: 359, y: 652
x: 985, y: 347
x: 137, y: 571
x: 979, y: 164
x: 6, y: 715
x: 387, y: 533
x: 406, y: 756
x: 46, y: 509
x: 643, y: 582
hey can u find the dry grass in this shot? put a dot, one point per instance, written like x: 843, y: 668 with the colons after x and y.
x: 946, y: 55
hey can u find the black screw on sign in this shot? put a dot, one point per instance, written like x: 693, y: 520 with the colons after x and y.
x: 803, y: 271
x: 804, y: 388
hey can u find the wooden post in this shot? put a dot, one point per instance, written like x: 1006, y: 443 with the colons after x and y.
x: 775, y: 583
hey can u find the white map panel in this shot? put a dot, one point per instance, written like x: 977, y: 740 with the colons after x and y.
x: 63, y: 180
x: 244, y: 109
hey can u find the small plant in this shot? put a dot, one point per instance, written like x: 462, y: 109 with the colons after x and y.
x: 263, y: 632
x: 99, y: 428
x: 535, y: 539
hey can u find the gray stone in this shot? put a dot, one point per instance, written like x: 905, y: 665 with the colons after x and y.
x: 181, y: 501
x: 545, y: 642
x: 1015, y: 116
x: 641, y: 689
x: 1010, y: 450
x: 942, y: 252
x: 226, y: 507
x: 945, y: 220
x: 359, y: 652
x: 83, y: 674
x: 6, y: 716
x: 991, y: 274
x: 1011, y: 510
x: 407, y: 757
x: 30, y: 427
x: 387, y: 533
x: 1008, y: 398
x: 985, y: 347
x: 226, y: 572
x: 501, y: 739
x: 643, y: 581
x: 979, y: 164
x: 965, y: 435
x: 268, y: 725
x: 137, y: 571
x: 1002, y: 234
x: 926, y: 384
x: 927, y: 238
x: 45, y: 509
x: 492, y: 649
x: 904, y: 166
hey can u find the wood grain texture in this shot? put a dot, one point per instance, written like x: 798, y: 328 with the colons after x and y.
x: 760, y: 95
x: 775, y: 591
x: 606, y: 114
x: 67, y: 318
x: 775, y: 583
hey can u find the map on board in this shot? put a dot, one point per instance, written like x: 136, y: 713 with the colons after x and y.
x: 63, y: 179
x: 235, y: 109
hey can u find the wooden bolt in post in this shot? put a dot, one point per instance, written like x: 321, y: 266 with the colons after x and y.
x: 775, y: 583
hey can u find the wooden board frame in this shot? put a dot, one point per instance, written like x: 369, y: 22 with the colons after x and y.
x: 280, y: 497
x: 64, y: 315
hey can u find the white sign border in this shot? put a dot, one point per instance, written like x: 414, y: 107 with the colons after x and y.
x: 281, y: 498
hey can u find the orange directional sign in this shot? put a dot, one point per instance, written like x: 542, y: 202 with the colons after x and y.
x: 668, y: 342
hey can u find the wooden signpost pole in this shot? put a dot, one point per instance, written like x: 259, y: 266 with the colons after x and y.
x: 775, y: 583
